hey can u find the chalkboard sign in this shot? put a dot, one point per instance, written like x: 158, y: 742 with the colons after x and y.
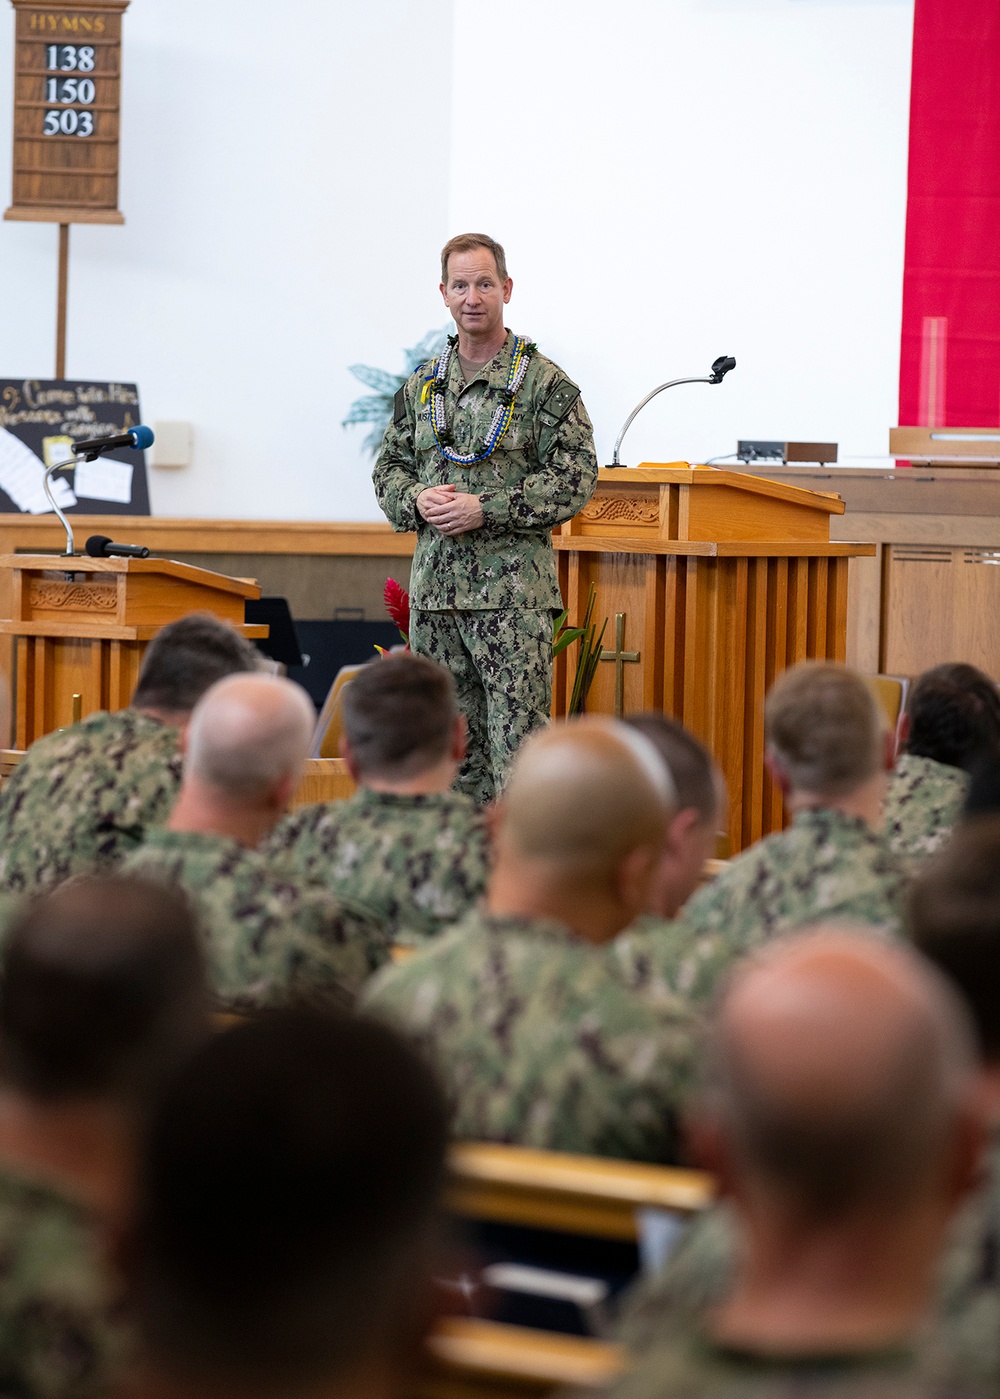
x: 67, y: 92
x: 39, y: 421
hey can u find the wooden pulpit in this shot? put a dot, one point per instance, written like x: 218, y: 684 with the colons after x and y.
x: 80, y: 627
x: 713, y: 583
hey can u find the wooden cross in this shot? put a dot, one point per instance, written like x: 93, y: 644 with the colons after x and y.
x: 620, y: 657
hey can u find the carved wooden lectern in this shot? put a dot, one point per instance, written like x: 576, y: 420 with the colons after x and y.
x: 81, y: 626
x: 713, y: 582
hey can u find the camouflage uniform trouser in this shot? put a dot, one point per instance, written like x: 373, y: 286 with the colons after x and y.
x: 501, y: 659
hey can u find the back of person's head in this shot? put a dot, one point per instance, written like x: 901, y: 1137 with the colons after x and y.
x: 185, y: 657
x: 824, y: 730
x: 287, y: 1229
x: 953, y: 716
x: 954, y: 919
x: 844, y: 1065
x: 583, y: 794
x: 697, y: 780
x: 102, y: 991
x: 250, y: 735
x: 399, y: 716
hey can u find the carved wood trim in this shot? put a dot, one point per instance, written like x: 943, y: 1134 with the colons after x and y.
x: 621, y: 510
x: 78, y: 597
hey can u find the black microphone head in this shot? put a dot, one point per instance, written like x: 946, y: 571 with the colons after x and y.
x: 722, y: 367
x: 95, y: 546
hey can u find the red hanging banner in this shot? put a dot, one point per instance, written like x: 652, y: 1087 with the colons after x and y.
x: 950, y: 362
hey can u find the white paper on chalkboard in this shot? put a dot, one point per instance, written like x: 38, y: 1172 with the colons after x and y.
x: 22, y: 476
x: 105, y: 480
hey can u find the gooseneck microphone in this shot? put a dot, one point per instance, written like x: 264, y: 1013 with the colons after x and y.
x: 89, y: 449
x: 99, y: 546
x: 139, y: 437
x: 720, y: 368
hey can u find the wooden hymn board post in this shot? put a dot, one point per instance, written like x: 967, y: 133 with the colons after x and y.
x: 67, y: 96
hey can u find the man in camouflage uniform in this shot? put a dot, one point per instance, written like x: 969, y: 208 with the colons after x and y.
x: 538, y: 1042
x: 81, y: 798
x: 951, y: 723
x: 271, y: 939
x: 118, y: 969
x: 404, y: 845
x: 828, y: 751
x: 488, y: 450
x: 844, y: 1120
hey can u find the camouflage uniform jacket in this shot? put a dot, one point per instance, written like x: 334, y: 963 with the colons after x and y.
x: 826, y: 865
x: 271, y: 939
x: 538, y: 1043
x: 691, y: 1366
x: 81, y: 798
x: 418, y: 861
x: 698, y: 1273
x: 59, y: 1335
x: 542, y: 473
x: 924, y: 801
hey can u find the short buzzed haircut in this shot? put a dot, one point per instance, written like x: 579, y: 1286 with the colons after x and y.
x: 288, y: 1216
x: 954, y: 716
x: 467, y: 243
x: 248, y: 733
x: 839, y: 1139
x: 188, y: 656
x: 824, y: 728
x: 102, y: 990
x: 689, y: 762
x: 399, y: 716
x: 954, y: 919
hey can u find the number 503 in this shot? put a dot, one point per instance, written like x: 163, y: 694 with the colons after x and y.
x: 68, y: 123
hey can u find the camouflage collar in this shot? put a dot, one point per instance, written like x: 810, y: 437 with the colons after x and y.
x: 493, y: 372
x: 365, y: 796
x: 520, y: 925
x: 827, y: 819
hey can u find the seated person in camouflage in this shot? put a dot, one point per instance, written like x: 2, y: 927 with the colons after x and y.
x: 955, y: 921
x: 844, y: 1122
x: 103, y: 991
x: 81, y: 798
x: 271, y: 937
x: 537, y: 1039
x: 951, y: 723
x: 405, y: 844
x: 828, y: 752
x: 691, y: 840
x: 287, y: 1236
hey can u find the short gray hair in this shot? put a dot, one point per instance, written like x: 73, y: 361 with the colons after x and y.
x: 248, y: 733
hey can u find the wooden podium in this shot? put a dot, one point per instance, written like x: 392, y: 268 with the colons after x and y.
x: 713, y: 582
x: 80, y: 627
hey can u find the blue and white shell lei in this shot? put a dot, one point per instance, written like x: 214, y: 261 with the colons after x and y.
x: 519, y: 360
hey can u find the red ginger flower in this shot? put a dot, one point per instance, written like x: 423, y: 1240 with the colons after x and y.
x: 397, y: 604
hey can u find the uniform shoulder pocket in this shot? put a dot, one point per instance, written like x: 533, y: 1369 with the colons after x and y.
x: 559, y: 400
x: 399, y: 407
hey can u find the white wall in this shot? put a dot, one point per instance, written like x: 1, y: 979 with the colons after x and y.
x: 673, y: 179
x: 680, y: 179
x: 280, y: 225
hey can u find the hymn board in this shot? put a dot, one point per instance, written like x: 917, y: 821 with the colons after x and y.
x: 67, y: 96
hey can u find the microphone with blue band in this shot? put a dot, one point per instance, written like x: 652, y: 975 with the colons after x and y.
x: 139, y: 437
x: 89, y: 449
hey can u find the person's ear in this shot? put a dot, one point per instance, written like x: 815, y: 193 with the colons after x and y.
x: 344, y: 749
x: 888, y: 751
x: 183, y: 741
x: 681, y: 826
x: 966, y: 1167
x: 284, y: 790
x: 508, y: 287
x: 459, y: 739
x: 707, y: 1149
x: 635, y: 875
x: 776, y: 768
x: 902, y: 733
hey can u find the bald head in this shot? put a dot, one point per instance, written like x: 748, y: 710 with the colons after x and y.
x: 842, y: 1063
x: 584, y: 793
x: 248, y: 734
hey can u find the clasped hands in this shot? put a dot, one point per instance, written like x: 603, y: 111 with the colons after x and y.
x: 450, y: 510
